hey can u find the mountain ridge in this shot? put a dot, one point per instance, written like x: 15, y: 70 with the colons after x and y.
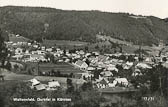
x: 51, y: 23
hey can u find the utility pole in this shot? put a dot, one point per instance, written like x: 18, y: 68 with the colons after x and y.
x: 160, y: 83
x: 38, y: 71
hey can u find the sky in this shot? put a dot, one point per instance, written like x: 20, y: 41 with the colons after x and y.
x: 158, y: 8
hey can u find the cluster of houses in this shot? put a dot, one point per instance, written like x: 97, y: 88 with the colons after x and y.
x: 89, y: 62
x: 37, y: 85
x: 31, y: 52
x: 107, y: 65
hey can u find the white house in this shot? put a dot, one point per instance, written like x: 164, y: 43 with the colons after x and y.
x: 17, y: 57
x: 122, y: 81
x: 40, y: 87
x: 18, y: 51
x: 137, y: 72
x: 143, y: 65
x: 53, y: 85
x: 87, y: 75
x: 103, y: 83
x: 81, y: 64
x: 34, y: 58
x: 49, y: 49
x: 34, y: 82
x: 91, y: 68
x: 106, y: 73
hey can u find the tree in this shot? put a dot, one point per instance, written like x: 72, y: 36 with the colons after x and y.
x: 18, y: 90
x: 71, y: 75
x: 8, y: 66
x: 16, y: 67
x: 50, y: 56
x: 97, y: 47
x: 86, y: 48
x: 164, y: 59
x: 39, y: 39
x: 70, y: 87
x: 87, y: 62
x: 3, y: 49
x: 87, y: 86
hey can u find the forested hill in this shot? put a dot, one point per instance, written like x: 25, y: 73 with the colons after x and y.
x: 35, y: 22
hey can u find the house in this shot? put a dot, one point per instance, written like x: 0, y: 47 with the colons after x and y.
x: 101, y: 65
x: 67, y: 60
x: 49, y: 49
x: 122, y: 81
x: 103, y: 83
x: 13, y: 64
x: 112, y: 84
x: 143, y: 65
x: 114, y: 61
x: 43, y: 48
x: 102, y: 58
x: 93, y: 59
x: 126, y: 67
x: 129, y: 63
x: 91, y: 68
x: 87, y: 55
x: 81, y: 64
x: 40, y: 87
x: 29, y: 44
x: 17, y: 57
x: 34, y: 82
x: 53, y: 85
x: 35, y: 46
x: 34, y: 58
x: 18, y: 51
x: 137, y: 72
x: 81, y: 52
x: 111, y: 67
x: 106, y: 73
x: 86, y: 75
x: 149, y: 60
x: 27, y: 52
x: 96, y: 53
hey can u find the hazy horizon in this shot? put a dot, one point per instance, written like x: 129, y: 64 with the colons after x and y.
x: 157, y: 8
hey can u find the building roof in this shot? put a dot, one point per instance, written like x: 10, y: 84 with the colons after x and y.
x: 79, y: 62
x: 121, y: 80
x: 143, y: 65
x: 103, y: 81
x: 54, y: 84
x: 40, y: 87
x: 34, y: 81
x: 102, y: 58
x: 107, y: 73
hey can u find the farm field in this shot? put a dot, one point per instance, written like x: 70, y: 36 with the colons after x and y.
x: 64, y: 68
x: 17, y: 77
x: 63, y: 43
x: 18, y: 39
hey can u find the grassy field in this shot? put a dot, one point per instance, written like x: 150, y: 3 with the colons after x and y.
x: 18, y: 39
x: 18, y: 77
x: 63, y: 43
x: 64, y: 68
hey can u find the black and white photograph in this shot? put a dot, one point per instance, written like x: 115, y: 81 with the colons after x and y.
x: 83, y: 53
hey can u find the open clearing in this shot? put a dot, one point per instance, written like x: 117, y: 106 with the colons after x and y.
x: 63, y: 43
x: 63, y: 68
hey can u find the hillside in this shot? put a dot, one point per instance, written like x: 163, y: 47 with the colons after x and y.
x: 37, y: 22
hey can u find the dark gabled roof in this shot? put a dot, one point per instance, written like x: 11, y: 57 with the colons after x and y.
x: 103, y: 82
x: 79, y: 62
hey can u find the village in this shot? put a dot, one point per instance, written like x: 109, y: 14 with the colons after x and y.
x: 109, y: 73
